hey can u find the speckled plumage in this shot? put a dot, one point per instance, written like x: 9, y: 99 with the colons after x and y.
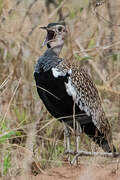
x: 87, y: 97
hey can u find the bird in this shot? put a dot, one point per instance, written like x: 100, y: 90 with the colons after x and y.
x: 69, y: 93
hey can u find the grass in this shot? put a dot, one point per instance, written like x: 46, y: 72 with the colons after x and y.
x: 27, y: 130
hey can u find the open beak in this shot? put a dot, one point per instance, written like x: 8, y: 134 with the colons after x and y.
x: 44, y: 27
x: 50, y: 35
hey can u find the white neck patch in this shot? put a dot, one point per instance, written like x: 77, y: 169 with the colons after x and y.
x: 57, y: 73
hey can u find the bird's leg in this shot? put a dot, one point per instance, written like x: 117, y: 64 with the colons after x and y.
x: 67, y: 139
x: 78, y: 132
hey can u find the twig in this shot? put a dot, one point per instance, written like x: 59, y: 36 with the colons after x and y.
x: 11, y: 99
x: 27, y: 13
x: 92, y: 63
x: 74, y: 120
x: 94, y: 11
x: 26, y: 126
x: 85, y: 153
x: 3, y: 91
x: 48, y: 92
x: 108, y: 89
x: 114, y: 78
x: 56, y: 10
x: 99, y: 48
x: 100, y: 30
x: 29, y: 45
x: 5, y: 81
x: 43, y: 127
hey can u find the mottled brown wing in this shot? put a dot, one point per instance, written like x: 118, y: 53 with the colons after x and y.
x: 85, y: 94
x: 88, y: 98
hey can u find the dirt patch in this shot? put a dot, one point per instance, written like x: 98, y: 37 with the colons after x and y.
x: 81, y: 172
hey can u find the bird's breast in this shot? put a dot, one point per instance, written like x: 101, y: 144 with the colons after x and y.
x: 53, y: 88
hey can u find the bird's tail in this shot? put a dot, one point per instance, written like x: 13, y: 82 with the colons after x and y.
x: 105, y: 142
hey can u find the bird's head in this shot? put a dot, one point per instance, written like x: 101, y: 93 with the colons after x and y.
x: 56, y: 34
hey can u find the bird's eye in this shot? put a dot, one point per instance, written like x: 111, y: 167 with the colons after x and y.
x: 59, y: 29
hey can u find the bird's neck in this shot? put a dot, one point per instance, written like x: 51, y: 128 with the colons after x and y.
x: 57, y: 49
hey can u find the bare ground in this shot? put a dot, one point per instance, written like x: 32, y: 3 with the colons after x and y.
x: 81, y: 172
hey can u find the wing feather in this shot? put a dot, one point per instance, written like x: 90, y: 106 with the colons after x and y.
x: 85, y: 94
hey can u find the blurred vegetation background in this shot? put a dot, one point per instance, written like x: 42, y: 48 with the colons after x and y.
x: 30, y: 138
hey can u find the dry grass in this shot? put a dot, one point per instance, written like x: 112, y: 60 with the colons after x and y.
x: 30, y: 139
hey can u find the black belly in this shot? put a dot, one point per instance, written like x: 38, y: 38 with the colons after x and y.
x: 56, y: 99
